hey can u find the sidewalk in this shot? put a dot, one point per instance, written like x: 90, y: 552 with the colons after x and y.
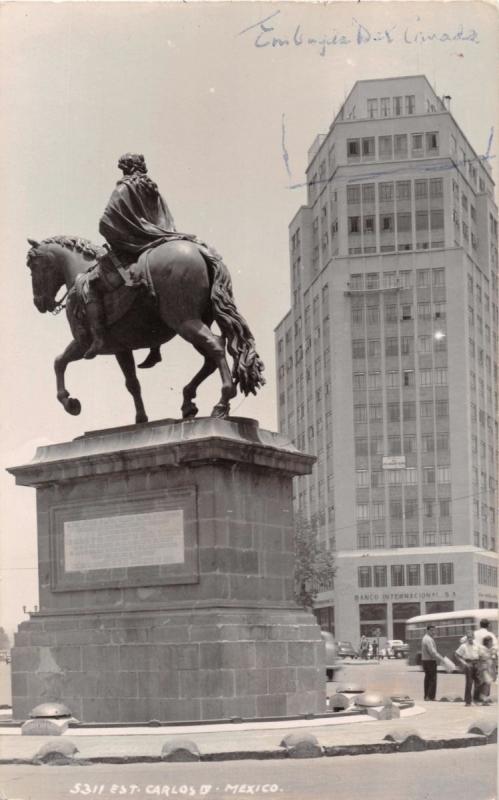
x: 440, y: 724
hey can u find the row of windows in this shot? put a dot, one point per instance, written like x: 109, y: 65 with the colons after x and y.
x: 430, y: 539
x: 409, y: 574
x: 376, y: 380
x: 402, y: 222
x: 487, y: 575
x: 405, y: 279
x: 374, y: 411
x: 388, y: 106
x: 402, y: 190
x: 422, y: 144
x: 410, y: 508
x: 378, y: 478
x: 393, y: 313
x: 375, y: 444
x: 394, y: 345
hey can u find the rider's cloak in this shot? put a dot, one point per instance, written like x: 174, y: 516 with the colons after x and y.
x: 136, y: 216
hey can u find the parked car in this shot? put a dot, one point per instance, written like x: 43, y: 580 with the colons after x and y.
x: 396, y: 648
x: 331, y: 655
x: 346, y: 650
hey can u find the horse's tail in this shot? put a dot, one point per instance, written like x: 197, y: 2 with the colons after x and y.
x: 247, y: 370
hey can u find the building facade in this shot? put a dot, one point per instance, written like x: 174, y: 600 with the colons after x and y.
x: 387, y: 360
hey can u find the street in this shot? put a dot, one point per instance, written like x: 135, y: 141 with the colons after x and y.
x: 394, y: 676
x: 432, y: 775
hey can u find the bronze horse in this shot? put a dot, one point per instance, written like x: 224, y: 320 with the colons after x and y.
x: 189, y: 296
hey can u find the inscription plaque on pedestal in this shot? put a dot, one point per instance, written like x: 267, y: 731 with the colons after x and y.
x: 127, y: 540
x: 149, y: 539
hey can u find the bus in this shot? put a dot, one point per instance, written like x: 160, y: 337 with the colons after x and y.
x: 450, y: 627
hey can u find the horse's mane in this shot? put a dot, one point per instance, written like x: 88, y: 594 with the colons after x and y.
x: 78, y: 243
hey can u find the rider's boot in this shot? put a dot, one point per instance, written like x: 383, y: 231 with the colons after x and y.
x: 96, y: 324
x: 153, y: 357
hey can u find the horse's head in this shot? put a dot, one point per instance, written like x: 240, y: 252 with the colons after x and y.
x: 46, y: 277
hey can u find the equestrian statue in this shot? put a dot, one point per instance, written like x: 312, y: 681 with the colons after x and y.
x: 146, y: 285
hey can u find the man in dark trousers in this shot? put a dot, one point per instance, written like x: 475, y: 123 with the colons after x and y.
x: 429, y: 659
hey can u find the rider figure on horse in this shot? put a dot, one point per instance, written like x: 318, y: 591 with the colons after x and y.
x: 135, y: 219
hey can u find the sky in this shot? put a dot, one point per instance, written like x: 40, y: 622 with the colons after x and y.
x: 224, y: 100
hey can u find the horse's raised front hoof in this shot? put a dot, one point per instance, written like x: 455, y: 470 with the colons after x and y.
x: 189, y: 410
x: 73, y: 406
x: 221, y: 410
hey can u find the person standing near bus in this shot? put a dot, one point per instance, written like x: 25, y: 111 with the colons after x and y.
x: 482, y: 633
x: 429, y: 659
x: 468, y: 654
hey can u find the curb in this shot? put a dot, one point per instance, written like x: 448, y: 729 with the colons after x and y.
x: 328, y: 751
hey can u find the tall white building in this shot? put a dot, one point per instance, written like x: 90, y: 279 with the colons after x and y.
x: 387, y: 360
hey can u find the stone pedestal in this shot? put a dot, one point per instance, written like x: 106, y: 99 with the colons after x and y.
x: 166, y: 577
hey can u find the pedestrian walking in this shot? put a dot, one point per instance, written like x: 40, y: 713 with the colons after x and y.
x: 468, y: 655
x: 487, y: 668
x: 363, y: 647
x: 429, y: 659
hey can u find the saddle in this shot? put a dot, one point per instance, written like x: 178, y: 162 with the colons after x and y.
x: 120, y: 285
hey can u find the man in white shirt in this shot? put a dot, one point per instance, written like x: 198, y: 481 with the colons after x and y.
x: 429, y: 658
x: 468, y: 654
x: 483, y: 631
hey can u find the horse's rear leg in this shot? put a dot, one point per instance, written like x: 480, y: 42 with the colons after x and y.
x: 73, y: 352
x: 127, y: 363
x: 213, y: 348
x: 190, y: 409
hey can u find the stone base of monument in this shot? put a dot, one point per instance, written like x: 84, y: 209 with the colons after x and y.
x: 166, y: 578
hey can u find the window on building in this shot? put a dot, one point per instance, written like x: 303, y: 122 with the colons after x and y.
x: 432, y: 143
x: 424, y: 344
x: 436, y: 219
x: 369, y: 224
x: 431, y: 574
x: 378, y: 510
x: 436, y: 187
x: 368, y: 149
x: 385, y: 192
x: 374, y: 380
x: 362, y: 478
x: 417, y: 144
x: 421, y: 189
x: 443, y: 474
x: 400, y: 145
x: 421, y: 220
x: 423, y: 278
x: 353, y: 148
x: 385, y: 106
x: 391, y: 346
x: 403, y: 222
x: 429, y: 475
x: 380, y: 576
x: 413, y: 574
x: 385, y: 147
x: 360, y: 413
x: 444, y: 508
x: 353, y: 194
x: 397, y: 106
x: 354, y: 224
x: 410, y: 104
x: 372, y: 108
x: 447, y: 573
x: 403, y: 190
x: 397, y: 575
x: 364, y: 577
x: 386, y: 223
x: 368, y: 193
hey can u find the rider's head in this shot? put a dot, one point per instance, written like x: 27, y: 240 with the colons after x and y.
x: 132, y: 162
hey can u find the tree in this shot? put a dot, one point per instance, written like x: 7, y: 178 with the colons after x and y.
x: 314, y: 564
